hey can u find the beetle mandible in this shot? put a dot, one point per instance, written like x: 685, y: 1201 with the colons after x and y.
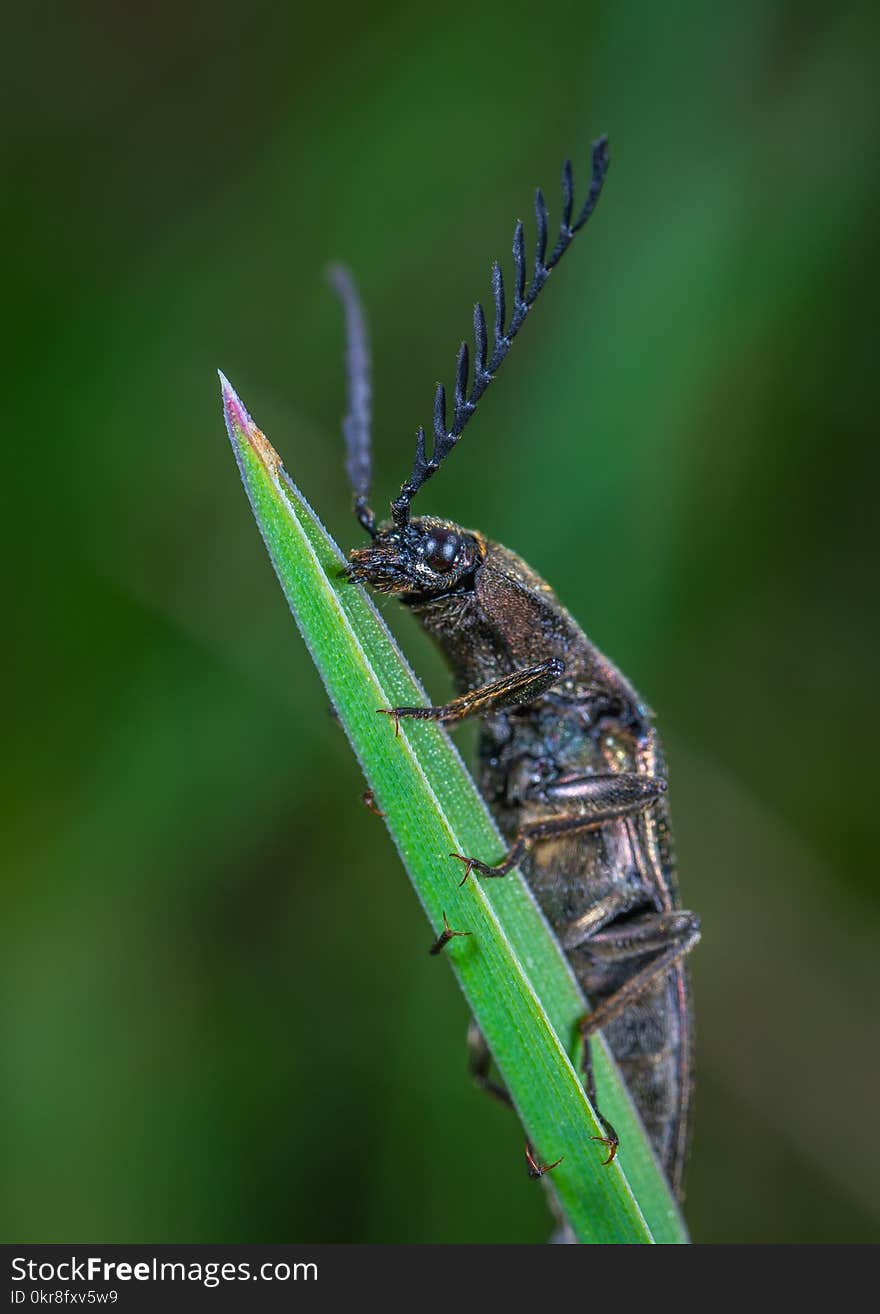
x: 570, y: 763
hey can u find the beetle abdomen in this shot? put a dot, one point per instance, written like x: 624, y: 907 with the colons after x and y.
x: 571, y: 875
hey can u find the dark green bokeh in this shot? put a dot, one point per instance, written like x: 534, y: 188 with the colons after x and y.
x: 220, y: 1020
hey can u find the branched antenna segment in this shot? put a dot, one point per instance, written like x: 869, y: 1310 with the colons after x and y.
x: 356, y: 425
x: 464, y: 401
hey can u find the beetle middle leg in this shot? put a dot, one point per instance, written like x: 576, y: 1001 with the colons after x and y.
x: 601, y: 799
x: 445, y: 936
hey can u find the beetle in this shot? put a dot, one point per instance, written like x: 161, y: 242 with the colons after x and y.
x: 570, y: 763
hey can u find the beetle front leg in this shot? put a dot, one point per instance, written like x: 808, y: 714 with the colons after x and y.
x: 522, y: 687
x: 601, y: 798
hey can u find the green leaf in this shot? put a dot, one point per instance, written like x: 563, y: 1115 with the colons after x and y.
x: 517, y: 982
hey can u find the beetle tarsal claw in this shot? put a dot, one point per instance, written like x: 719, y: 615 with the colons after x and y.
x: 445, y: 936
x: 468, y: 866
x: 612, y: 1143
x: 395, y: 716
x: 536, y: 1169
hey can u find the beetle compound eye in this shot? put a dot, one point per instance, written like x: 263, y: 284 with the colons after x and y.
x: 441, y: 549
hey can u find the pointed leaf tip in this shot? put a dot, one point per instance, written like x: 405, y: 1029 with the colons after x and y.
x: 242, y: 430
x: 233, y: 407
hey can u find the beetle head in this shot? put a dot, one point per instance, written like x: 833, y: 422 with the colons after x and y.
x: 424, y: 557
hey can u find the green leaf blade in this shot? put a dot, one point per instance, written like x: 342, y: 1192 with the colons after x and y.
x: 511, y: 969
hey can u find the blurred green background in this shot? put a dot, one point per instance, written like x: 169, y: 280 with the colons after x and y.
x: 220, y: 1022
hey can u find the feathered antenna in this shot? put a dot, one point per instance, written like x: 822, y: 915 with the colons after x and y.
x: 356, y: 425
x: 464, y: 402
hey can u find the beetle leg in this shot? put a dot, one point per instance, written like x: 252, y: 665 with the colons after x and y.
x: 602, y: 799
x: 611, y: 1140
x: 445, y: 936
x: 368, y: 798
x: 479, y: 1066
x: 522, y: 687
x: 536, y: 1169
x: 618, y: 792
x: 669, y: 936
x: 649, y: 933
x: 586, y: 927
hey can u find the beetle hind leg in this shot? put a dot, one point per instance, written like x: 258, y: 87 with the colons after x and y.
x: 480, y: 1068
x: 667, y: 937
x: 610, y: 1140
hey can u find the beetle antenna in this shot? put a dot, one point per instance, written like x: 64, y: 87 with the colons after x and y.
x: 485, y: 366
x: 356, y: 425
